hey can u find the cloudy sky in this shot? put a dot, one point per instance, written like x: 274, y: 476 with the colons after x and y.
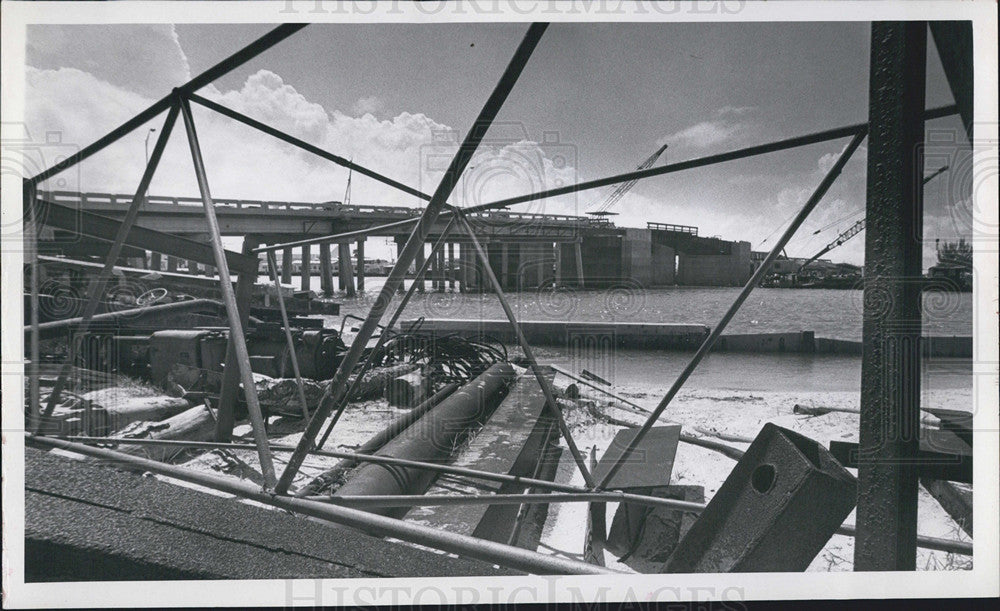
x: 594, y: 100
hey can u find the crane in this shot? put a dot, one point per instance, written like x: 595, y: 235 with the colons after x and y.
x: 625, y: 187
x: 858, y: 227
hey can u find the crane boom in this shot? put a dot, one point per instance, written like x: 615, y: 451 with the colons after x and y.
x: 625, y: 187
x: 859, y: 226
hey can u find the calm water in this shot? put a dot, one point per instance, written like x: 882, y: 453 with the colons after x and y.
x: 828, y: 312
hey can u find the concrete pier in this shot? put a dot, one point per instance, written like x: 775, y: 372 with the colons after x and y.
x: 346, y: 271
x: 306, y: 268
x: 325, y: 270
x: 286, y: 266
x: 361, y: 265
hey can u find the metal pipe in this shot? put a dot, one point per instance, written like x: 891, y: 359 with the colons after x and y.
x: 427, y: 500
x: 414, y: 242
x: 765, y: 265
x: 272, y: 265
x: 463, y: 545
x: 376, y: 442
x: 49, y: 329
x: 383, y: 336
x: 586, y: 382
x: 98, y: 285
x: 946, y: 545
x: 30, y: 241
x: 546, y: 385
x: 237, y: 340
x: 230, y: 63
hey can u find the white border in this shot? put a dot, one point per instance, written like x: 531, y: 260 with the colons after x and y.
x: 983, y: 580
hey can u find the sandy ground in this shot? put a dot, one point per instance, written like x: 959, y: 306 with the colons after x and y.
x: 742, y: 415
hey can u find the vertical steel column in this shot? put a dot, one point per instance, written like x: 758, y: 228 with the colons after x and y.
x: 272, y: 265
x: 230, y: 388
x: 414, y: 243
x: 360, y: 252
x: 325, y: 271
x: 890, y: 362
x: 236, y: 337
x: 754, y: 280
x: 100, y: 283
x: 383, y: 336
x: 529, y: 355
x: 305, y: 276
x: 286, y: 266
x: 30, y: 242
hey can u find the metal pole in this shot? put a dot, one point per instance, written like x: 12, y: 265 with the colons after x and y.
x: 891, y: 329
x: 232, y: 62
x: 706, y: 346
x: 437, y: 500
x: 366, y: 367
x: 98, y: 285
x: 947, y: 545
x: 237, y: 339
x: 272, y: 265
x: 413, y: 243
x: 550, y: 398
x: 463, y: 545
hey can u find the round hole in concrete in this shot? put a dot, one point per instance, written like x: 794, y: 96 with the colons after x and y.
x: 762, y: 478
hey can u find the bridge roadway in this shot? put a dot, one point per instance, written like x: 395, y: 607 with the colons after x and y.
x: 275, y: 221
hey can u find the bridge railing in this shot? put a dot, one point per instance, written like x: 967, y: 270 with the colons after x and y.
x: 113, y: 201
x: 675, y: 228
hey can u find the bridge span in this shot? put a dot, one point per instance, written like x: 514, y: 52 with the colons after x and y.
x: 526, y: 250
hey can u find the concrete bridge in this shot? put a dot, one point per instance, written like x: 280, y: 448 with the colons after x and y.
x: 525, y: 250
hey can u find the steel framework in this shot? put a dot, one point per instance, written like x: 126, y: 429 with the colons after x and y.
x: 276, y: 488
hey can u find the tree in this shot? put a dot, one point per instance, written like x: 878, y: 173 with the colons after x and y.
x: 955, y: 254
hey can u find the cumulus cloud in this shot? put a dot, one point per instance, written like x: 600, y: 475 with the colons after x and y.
x: 727, y: 125
x: 368, y: 105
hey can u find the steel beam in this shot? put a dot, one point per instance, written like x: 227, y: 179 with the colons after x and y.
x: 890, y: 360
x: 237, y: 340
x: 415, y: 242
x: 272, y: 265
x: 230, y: 63
x: 953, y: 40
x: 754, y: 280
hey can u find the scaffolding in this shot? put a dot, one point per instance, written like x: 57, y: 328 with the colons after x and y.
x: 276, y: 489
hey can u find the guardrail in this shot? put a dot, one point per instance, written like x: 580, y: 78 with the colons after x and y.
x: 112, y: 201
x: 675, y: 228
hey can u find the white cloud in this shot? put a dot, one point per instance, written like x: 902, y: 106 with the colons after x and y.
x: 729, y: 125
x: 368, y: 105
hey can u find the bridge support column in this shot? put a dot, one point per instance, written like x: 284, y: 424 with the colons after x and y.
x: 451, y: 265
x: 171, y: 264
x: 193, y: 268
x: 325, y: 270
x: 286, y: 266
x: 399, y: 249
x: 306, y: 274
x: 156, y: 261
x: 443, y: 270
x: 346, y: 272
x: 578, y: 252
x: 361, y: 265
x: 466, y: 264
x: 505, y: 266
x: 419, y: 264
x: 210, y: 270
x: 559, y: 271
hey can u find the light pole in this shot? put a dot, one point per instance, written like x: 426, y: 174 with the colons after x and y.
x: 148, y: 134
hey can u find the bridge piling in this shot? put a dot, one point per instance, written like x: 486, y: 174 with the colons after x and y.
x: 578, y: 252
x: 361, y: 265
x: 346, y: 272
x: 193, y: 268
x: 325, y: 270
x: 558, y: 264
x: 451, y: 265
x: 171, y: 264
x: 286, y: 266
x: 419, y: 264
x: 156, y: 261
x: 306, y: 267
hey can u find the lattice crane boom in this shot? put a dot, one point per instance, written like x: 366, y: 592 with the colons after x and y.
x: 625, y: 187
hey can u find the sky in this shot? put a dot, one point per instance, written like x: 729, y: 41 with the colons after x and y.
x: 594, y: 100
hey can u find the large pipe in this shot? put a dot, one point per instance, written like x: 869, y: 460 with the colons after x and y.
x: 433, y: 438
x: 381, y: 438
x: 463, y: 545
